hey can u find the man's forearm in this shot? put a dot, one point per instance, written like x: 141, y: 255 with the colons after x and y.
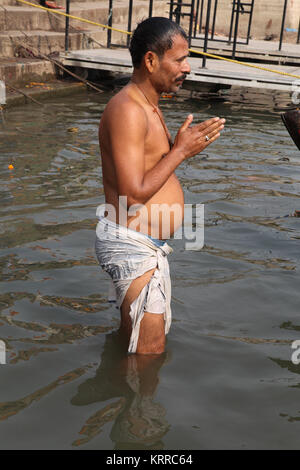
x: 155, y: 178
x: 189, y: 142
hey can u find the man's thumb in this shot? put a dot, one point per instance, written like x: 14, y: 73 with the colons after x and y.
x: 186, y: 123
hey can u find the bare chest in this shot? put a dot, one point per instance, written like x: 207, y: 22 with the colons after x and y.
x: 157, y: 139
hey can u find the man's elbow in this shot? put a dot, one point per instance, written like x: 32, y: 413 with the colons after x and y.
x: 135, y: 201
x: 134, y: 198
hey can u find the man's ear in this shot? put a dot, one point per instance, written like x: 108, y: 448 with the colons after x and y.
x: 151, y: 61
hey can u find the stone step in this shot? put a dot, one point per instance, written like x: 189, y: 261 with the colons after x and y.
x: 26, y: 18
x: 72, y: 2
x: 53, y: 89
x: 9, y: 2
x: 44, y: 31
x: 48, y: 42
x: 22, y: 71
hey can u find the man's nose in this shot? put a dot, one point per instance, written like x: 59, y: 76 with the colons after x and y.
x: 186, y: 67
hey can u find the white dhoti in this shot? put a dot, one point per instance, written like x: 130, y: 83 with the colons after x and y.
x: 125, y: 255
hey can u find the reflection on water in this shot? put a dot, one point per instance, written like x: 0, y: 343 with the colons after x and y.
x: 131, y: 380
x: 230, y: 382
x: 11, y: 408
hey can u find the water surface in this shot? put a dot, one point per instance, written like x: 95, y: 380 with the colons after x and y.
x: 226, y: 380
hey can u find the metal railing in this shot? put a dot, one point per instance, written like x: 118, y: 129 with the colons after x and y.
x: 67, y: 26
x: 196, y: 19
x: 194, y: 12
x: 239, y: 7
x: 179, y: 10
x: 129, y: 21
x: 283, y: 24
x: 109, y: 22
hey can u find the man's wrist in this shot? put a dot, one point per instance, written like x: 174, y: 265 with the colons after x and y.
x: 176, y: 155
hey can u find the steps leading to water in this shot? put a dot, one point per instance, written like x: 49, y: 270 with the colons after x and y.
x: 27, y: 18
x: 54, y: 41
x: 25, y: 70
x: 44, y: 32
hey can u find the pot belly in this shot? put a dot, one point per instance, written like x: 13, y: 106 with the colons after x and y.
x: 163, y: 213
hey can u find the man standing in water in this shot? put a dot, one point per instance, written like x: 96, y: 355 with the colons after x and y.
x: 138, y: 163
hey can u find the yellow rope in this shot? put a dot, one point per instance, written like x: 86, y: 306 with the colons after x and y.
x: 243, y: 63
x: 191, y: 50
x: 74, y: 17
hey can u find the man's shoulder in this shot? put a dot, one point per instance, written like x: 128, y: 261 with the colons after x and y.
x: 124, y: 104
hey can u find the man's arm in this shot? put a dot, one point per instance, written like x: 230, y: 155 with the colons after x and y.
x: 126, y: 128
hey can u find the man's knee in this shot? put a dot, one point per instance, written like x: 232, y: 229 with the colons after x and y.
x: 152, y: 338
x: 132, y: 293
x: 135, y: 289
x: 152, y: 327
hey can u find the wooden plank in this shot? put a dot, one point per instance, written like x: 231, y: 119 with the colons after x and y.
x: 98, y: 65
x: 240, y: 82
x: 216, y: 72
x: 266, y: 51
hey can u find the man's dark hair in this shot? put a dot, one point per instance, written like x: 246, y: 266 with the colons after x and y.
x: 153, y: 34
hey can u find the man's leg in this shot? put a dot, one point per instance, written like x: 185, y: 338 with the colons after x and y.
x: 152, y: 328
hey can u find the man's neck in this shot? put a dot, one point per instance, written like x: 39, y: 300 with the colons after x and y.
x: 146, y: 88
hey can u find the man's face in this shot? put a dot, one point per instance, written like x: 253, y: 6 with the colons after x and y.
x: 173, y: 66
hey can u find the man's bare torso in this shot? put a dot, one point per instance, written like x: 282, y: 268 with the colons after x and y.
x: 156, y: 144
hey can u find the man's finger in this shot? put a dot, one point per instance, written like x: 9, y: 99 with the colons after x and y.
x: 215, y: 125
x: 212, y: 139
x: 214, y: 130
x: 204, y: 125
x: 186, y: 123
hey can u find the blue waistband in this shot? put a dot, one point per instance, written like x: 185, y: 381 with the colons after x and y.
x: 157, y: 241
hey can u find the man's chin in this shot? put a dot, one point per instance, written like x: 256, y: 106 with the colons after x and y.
x: 176, y: 87
x: 173, y: 88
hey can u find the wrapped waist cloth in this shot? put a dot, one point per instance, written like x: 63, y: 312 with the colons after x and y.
x: 126, y: 255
